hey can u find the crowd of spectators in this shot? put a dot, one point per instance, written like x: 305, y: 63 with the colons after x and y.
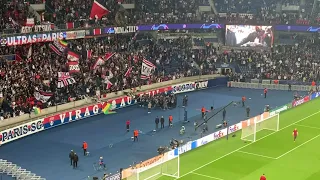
x: 21, y: 78
x: 297, y: 62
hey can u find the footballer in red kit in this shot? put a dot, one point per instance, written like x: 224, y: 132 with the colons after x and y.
x: 263, y: 177
x: 295, y: 134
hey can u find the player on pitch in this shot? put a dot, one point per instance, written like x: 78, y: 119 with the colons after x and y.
x: 263, y: 177
x: 295, y: 134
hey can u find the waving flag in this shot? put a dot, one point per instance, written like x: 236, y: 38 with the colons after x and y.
x: 128, y: 72
x: 147, y: 69
x: 64, y: 79
x: 101, y: 61
x: 72, y: 56
x: 99, y: 9
x: 59, y: 47
x: 73, y: 67
x: 42, y: 96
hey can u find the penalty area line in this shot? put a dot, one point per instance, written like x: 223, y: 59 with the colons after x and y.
x: 259, y: 155
x: 203, y: 175
x: 297, y: 147
x: 221, y: 157
x: 307, y: 126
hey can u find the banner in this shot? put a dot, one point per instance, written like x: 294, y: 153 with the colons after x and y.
x: 73, y: 67
x: 42, y: 96
x: 31, y: 38
x: 64, y: 79
x: 147, y: 69
x: 201, y: 84
x: 36, y: 28
x: 75, y: 34
x: 300, y: 101
x: 127, y: 29
x: 280, y: 109
x: 72, y: 56
x: 185, y: 87
x: 21, y: 131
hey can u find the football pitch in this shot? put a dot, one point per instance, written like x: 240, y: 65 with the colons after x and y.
x: 274, y: 154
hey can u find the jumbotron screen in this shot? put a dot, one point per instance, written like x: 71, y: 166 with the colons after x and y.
x: 249, y: 36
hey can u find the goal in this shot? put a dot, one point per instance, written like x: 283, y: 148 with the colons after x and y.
x: 163, y: 167
x: 251, y: 127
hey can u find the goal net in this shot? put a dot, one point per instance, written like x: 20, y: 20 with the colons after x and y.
x: 252, y: 126
x: 163, y: 167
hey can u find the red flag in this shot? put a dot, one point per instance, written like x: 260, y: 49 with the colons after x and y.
x: 127, y: 74
x: 98, y: 9
x: 89, y: 53
x: 109, y: 55
x: 70, y: 25
x: 97, y: 32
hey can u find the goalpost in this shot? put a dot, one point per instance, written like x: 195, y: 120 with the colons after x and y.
x: 252, y: 126
x: 162, y: 167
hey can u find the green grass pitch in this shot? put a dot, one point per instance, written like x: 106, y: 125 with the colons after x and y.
x: 274, y: 154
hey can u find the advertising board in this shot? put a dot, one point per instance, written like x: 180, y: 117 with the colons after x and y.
x: 21, y: 131
x: 280, y: 109
x: 300, y: 101
x: 184, y: 87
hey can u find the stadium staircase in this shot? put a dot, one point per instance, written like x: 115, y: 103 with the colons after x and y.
x: 213, y: 7
x: 17, y: 172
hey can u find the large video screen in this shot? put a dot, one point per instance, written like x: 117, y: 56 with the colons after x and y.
x: 249, y: 36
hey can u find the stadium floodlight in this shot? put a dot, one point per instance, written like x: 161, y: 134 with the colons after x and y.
x: 154, y: 171
x: 251, y: 127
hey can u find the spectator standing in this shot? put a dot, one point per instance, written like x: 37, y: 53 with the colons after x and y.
x: 162, y: 122
x: 71, y: 157
x: 84, y: 147
x: 149, y: 107
x: 75, y: 160
x: 157, y: 122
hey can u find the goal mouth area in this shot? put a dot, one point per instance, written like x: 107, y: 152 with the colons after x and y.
x: 262, y: 124
x: 165, y: 166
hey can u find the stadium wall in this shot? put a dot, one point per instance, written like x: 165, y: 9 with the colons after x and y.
x: 216, y: 135
x: 65, y: 117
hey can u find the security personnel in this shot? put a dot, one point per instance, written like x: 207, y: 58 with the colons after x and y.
x: 84, y: 147
x: 170, y: 121
x: 162, y: 122
x: 203, y: 111
x: 243, y: 100
x: 135, y: 135
x: 75, y: 160
x: 224, y: 112
x: 71, y: 157
x: 248, y: 111
x: 157, y: 122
